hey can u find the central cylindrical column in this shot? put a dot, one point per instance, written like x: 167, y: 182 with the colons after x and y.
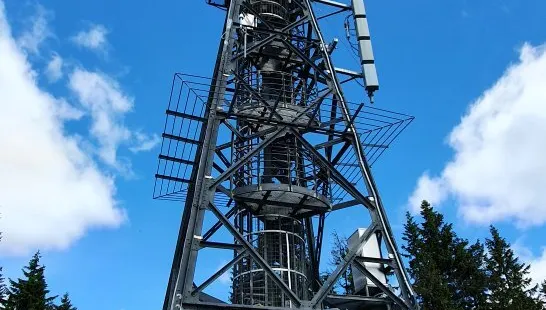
x: 283, y: 182
x: 280, y: 241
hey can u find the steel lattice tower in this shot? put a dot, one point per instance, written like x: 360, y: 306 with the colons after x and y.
x: 270, y: 146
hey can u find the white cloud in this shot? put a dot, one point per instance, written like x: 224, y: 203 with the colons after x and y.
x: 54, y: 69
x: 144, y: 142
x: 106, y: 103
x: 93, y: 38
x: 538, y: 263
x: 31, y: 39
x: 51, y: 192
x: 538, y: 267
x: 66, y: 111
x: 497, y: 171
x: 429, y: 189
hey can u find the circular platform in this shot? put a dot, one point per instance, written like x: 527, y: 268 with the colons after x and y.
x: 281, y: 199
x: 288, y: 112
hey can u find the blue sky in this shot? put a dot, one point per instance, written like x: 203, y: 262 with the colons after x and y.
x: 85, y: 85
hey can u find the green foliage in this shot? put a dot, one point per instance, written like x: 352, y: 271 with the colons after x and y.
x: 509, y: 279
x: 339, y: 250
x: 3, y: 288
x: 340, y: 247
x: 66, y: 304
x: 30, y: 293
x: 542, y: 294
x: 448, y: 272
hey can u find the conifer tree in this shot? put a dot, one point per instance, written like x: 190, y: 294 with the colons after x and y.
x: 30, y: 293
x: 3, y: 289
x: 508, y: 278
x: 66, y: 304
x: 542, y: 294
x: 424, y: 265
x: 448, y: 273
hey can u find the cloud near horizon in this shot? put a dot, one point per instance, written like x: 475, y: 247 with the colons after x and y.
x: 497, y: 169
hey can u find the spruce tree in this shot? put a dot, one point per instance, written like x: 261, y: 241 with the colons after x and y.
x: 30, y: 293
x: 66, y: 304
x: 542, y: 294
x: 468, y: 277
x: 508, y: 278
x: 423, y: 248
x: 3, y: 289
x: 448, y: 273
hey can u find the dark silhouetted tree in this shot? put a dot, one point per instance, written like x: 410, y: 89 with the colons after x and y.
x: 340, y: 248
x: 447, y: 272
x: 542, y: 294
x: 66, y: 304
x: 30, y: 293
x: 3, y: 289
x: 508, y: 278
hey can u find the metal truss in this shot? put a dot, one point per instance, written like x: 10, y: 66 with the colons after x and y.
x: 344, y: 141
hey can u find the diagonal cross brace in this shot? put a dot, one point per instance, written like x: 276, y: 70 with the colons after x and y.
x: 399, y: 301
x: 279, y: 132
x: 335, y: 174
x: 347, y: 259
x: 270, y: 38
x: 252, y: 252
x: 231, y: 169
x: 256, y: 94
x: 220, y: 272
x: 306, y: 59
x: 218, y: 224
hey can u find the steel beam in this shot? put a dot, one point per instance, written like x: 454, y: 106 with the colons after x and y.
x: 183, y: 268
x: 171, y: 178
x: 335, y: 174
x: 399, y: 301
x: 252, y: 252
x: 176, y: 159
x: 184, y: 115
x: 334, y: 4
x: 330, y: 143
x: 220, y: 245
x: 231, y: 169
x: 220, y: 272
x: 347, y: 259
x: 178, y: 138
x: 346, y: 204
x: 218, y: 224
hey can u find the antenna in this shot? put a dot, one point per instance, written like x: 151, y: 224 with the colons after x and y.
x: 365, y: 48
